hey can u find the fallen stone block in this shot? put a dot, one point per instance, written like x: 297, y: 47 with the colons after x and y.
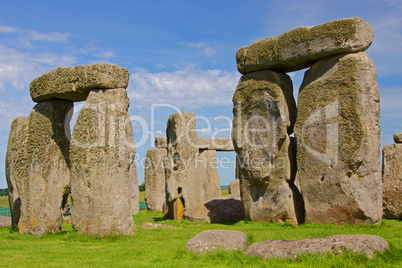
x: 360, y: 244
x: 211, y: 240
x: 149, y: 225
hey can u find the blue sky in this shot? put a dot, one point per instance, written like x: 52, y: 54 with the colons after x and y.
x: 180, y: 53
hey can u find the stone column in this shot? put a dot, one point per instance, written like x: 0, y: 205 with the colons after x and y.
x: 338, y: 139
x: 104, y: 186
x: 45, y: 186
x: 188, y: 176
x: 392, y: 178
x: 155, y: 175
x: 264, y: 114
x: 15, y: 165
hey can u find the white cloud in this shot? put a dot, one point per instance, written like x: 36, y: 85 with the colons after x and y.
x: 12, y: 109
x: 161, y: 66
x: 24, y: 37
x: 386, y: 48
x: 196, y: 45
x: 202, y: 46
x: 7, y: 29
x: 209, y: 51
x: 50, y: 37
x: 394, y: 3
x: 185, y: 88
x: 18, y: 67
x: 103, y: 54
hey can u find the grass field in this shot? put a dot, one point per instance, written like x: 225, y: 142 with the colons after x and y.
x: 142, y: 195
x: 4, y: 201
x: 166, y: 248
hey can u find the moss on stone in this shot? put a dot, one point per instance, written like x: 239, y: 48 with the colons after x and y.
x: 74, y: 83
x: 301, y: 47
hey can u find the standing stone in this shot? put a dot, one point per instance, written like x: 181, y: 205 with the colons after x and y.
x: 208, y: 174
x: 392, y: 181
x: 338, y: 139
x: 155, y: 176
x: 15, y: 168
x: 234, y: 188
x: 301, y: 47
x: 44, y: 187
x: 190, y: 175
x: 264, y: 114
x: 104, y: 186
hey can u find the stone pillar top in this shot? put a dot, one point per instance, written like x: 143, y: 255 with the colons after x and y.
x: 217, y: 144
x: 299, y: 48
x: 74, y: 83
x: 398, y: 137
x: 160, y: 142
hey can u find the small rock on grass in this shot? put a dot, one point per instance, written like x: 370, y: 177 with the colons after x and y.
x: 360, y: 244
x: 210, y: 240
x: 149, y: 225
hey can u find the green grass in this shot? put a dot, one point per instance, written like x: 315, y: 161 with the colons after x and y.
x: 166, y: 248
x: 225, y: 192
x: 4, y: 201
x: 142, y: 196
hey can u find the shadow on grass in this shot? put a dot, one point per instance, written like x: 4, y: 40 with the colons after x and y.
x: 158, y: 219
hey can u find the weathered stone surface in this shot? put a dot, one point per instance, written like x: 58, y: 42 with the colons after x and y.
x: 15, y: 168
x: 264, y: 113
x: 155, y: 178
x: 211, y: 240
x: 392, y: 181
x: 74, y: 83
x: 360, y: 244
x: 398, y: 137
x: 104, y: 186
x: 338, y: 141
x: 224, y: 209
x: 234, y: 188
x: 217, y: 144
x: 149, y: 225
x: 160, y: 142
x: 44, y: 186
x: 191, y: 173
x: 301, y: 47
